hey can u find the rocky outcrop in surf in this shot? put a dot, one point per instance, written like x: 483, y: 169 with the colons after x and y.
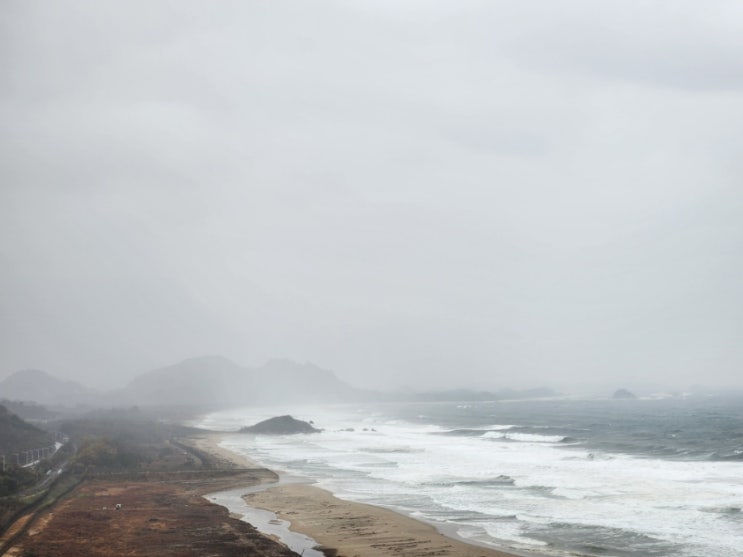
x: 623, y: 394
x: 281, y: 425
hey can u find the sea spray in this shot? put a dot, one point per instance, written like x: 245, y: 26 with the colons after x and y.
x: 590, y: 477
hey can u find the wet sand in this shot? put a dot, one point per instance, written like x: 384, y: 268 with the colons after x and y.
x: 356, y: 529
x: 351, y: 529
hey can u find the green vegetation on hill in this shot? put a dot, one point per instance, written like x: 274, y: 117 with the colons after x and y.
x: 29, y: 411
x: 19, y: 442
x: 14, y: 479
x: 18, y: 435
x: 126, y: 439
x: 108, y: 443
x: 108, y: 453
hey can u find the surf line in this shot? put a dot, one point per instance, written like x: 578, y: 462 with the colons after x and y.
x: 266, y: 522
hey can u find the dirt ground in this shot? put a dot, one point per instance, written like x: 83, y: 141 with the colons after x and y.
x: 154, y: 519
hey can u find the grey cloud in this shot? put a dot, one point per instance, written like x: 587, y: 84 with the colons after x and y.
x: 668, y: 45
x: 473, y: 192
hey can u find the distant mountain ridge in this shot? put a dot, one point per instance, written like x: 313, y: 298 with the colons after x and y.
x: 213, y: 382
x: 217, y: 381
x: 41, y: 387
x: 206, y: 381
x: 469, y: 395
x: 196, y: 381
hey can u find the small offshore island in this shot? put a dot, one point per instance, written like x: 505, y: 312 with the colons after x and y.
x: 280, y: 425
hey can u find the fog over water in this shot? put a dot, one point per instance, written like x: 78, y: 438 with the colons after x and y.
x: 423, y: 193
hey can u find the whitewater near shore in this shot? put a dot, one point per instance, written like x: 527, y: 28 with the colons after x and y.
x: 619, y: 478
x: 346, y: 527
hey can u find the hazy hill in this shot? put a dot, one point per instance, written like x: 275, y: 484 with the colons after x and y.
x: 214, y: 381
x: 39, y: 386
x: 296, y: 382
x: 466, y: 394
x: 29, y: 411
x: 17, y: 435
x: 623, y: 394
x: 204, y: 381
x: 211, y: 382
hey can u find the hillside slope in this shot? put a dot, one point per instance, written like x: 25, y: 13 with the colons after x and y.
x: 39, y: 386
x: 214, y: 381
x: 17, y: 435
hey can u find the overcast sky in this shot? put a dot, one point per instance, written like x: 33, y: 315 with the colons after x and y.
x: 430, y: 193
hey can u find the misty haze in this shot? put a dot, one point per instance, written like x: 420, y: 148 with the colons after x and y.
x: 476, y: 264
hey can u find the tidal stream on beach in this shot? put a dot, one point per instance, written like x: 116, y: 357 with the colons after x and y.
x: 265, y: 521
x: 621, y: 478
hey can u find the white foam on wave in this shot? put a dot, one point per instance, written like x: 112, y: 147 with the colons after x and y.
x: 525, y: 437
x: 402, y: 465
x: 500, y: 427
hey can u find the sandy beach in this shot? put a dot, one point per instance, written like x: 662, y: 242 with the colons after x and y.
x: 351, y: 529
x: 356, y: 529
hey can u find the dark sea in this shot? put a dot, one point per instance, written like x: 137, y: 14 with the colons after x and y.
x: 621, y: 478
